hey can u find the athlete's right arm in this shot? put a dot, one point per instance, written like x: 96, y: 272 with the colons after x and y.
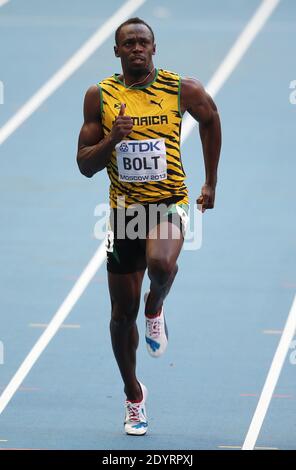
x: 95, y: 150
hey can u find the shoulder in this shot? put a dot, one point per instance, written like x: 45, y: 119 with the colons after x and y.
x: 92, y: 96
x: 92, y: 103
x: 168, y: 75
x: 195, y: 99
x: 192, y: 94
x: 187, y: 83
x: 192, y: 86
x: 109, y: 81
x: 93, y: 92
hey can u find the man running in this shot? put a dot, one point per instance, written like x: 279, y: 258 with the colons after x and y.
x: 132, y: 124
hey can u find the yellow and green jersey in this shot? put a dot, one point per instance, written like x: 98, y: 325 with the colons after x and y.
x: 146, y: 166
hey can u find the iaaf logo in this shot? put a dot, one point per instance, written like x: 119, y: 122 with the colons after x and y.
x: 123, y: 147
x: 139, y: 147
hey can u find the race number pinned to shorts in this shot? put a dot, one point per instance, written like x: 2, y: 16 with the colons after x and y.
x: 141, y: 160
x: 109, y: 241
x: 184, y: 218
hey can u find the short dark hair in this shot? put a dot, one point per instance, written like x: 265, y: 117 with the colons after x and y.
x: 135, y: 20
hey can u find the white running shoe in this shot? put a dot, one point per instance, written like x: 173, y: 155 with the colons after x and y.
x: 135, y: 415
x: 156, y: 333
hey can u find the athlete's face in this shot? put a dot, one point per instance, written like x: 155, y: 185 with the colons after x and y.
x: 135, y: 48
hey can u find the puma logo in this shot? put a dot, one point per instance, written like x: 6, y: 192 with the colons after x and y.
x: 155, y: 102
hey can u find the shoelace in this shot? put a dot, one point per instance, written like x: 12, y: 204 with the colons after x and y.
x: 154, y: 327
x: 133, y: 410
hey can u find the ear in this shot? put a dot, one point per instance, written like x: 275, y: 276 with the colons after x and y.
x: 116, y: 51
x: 154, y: 49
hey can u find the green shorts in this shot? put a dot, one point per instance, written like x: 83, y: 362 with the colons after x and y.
x: 128, y: 230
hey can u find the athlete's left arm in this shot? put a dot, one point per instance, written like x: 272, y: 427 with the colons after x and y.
x: 202, y: 108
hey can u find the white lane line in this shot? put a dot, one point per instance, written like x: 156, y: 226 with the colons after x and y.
x: 271, y: 379
x: 64, y: 325
x: 25, y: 389
x: 234, y: 56
x: 256, y: 448
x: 89, y: 47
x: 78, y: 289
x: 3, y: 440
x: 64, y: 310
x: 276, y: 395
x: 3, y: 2
x: 272, y: 332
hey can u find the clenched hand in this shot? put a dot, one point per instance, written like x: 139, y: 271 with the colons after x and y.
x: 207, y: 198
x: 122, y: 126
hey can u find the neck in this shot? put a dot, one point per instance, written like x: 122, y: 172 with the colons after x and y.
x: 142, y: 78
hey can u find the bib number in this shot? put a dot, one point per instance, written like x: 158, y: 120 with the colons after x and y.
x: 141, y: 160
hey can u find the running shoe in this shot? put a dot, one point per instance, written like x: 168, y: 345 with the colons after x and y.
x: 156, y: 333
x: 136, y: 423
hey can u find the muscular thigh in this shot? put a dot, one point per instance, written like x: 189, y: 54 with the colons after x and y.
x: 164, y: 242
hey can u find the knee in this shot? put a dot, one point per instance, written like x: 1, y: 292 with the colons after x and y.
x: 160, y: 270
x: 124, y: 315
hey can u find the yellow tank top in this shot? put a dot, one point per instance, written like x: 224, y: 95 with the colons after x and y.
x: 146, y: 166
